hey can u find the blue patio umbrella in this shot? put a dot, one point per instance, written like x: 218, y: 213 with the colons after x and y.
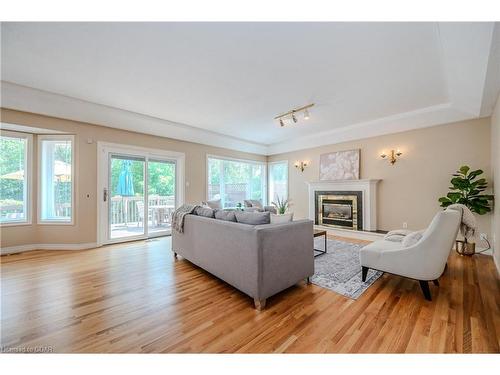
x: 125, y: 186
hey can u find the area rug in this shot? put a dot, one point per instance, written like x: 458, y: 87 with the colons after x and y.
x: 340, y: 270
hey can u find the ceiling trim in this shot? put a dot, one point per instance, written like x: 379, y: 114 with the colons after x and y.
x: 422, y: 118
x: 28, y: 99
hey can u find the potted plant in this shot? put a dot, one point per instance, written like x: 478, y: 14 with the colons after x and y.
x: 282, y: 205
x: 468, y: 190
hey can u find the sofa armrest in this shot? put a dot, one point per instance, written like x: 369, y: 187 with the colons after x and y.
x: 286, y: 255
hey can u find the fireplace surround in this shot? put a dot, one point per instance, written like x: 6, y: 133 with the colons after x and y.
x: 367, y: 201
x: 339, y: 209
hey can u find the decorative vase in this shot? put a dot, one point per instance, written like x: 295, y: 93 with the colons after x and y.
x: 465, y: 248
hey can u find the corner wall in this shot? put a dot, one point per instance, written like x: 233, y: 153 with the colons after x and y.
x: 495, y: 171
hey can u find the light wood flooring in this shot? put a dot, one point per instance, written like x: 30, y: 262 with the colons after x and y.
x: 136, y: 298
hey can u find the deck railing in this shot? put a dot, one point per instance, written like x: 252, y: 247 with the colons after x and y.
x: 127, y: 209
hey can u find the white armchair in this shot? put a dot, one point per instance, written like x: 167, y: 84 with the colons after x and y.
x: 424, y: 261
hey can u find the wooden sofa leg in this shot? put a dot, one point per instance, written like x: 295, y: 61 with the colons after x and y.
x: 425, y: 289
x: 364, y: 273
x: 175, y: 255
x: 308, y: 280
x: 260, y: 304
x: 436, y: 282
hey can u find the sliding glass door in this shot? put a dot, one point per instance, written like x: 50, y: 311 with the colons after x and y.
x: 127, y: 204
x: 139, y: 196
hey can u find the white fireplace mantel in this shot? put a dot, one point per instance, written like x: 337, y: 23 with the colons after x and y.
x: 367, y: 187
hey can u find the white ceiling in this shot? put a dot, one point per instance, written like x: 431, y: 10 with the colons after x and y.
x: 223, y: 83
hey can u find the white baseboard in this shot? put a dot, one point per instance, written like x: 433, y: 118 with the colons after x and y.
x: 349, y: 233
x: 45, y: 246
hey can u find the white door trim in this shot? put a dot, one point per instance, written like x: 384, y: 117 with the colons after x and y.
x: 104, y: 149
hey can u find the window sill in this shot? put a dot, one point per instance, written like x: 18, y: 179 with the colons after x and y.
x: 16, y: 224
x: 55, y: 222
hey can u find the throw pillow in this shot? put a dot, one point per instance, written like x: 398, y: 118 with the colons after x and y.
x: 204, y: 211
x: 412, y: 238
x: 225, y: 215
x: 213, y: 204
x: 280, y: 219
x: 253, y: 218
x: 397, y: 235
x: 252, y: 203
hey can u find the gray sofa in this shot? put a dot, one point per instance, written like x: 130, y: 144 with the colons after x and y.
x: 259, y: 260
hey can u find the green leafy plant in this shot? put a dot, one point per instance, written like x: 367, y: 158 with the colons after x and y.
x: 281, y: 205
x: 466, y: 189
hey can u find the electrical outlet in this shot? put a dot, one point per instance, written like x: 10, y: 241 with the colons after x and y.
x: 483, y: 236
x: 405, y: 225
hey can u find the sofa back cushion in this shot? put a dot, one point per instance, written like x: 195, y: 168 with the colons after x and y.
x: 253, y: 218
x: 225, y: 215
x: 204, y: 211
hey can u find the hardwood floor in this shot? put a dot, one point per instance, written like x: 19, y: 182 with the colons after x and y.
x: 137, y: 298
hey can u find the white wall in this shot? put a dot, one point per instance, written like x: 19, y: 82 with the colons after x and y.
x: 495, y: 172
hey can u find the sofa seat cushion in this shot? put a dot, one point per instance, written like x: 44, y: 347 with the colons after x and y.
x: 370, y: 254
x: 225, y: 215
x: 253, y: 218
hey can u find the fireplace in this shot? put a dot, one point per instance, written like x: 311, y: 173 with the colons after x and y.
x: 339, y: 209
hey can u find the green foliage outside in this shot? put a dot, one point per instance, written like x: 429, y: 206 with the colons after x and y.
x: 161, y: 177
x: 466, y: 189
x: 12, y: 151
x: 237, y: 173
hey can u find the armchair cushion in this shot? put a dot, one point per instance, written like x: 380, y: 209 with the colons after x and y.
x: 412, y: 238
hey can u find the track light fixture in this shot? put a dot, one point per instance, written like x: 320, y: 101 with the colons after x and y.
x: 292, y: 114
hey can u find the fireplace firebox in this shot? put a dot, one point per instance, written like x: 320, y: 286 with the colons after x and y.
x: 339, y: 209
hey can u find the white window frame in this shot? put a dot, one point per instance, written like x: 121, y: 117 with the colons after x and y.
x: 28, y: 173
x: 249, y: 161
x: 287, y: 177
x: 52, y: 137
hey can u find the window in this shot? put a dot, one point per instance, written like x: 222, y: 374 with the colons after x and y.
x: 15, y: 172
x: 56, y: 179
x: 278, y: 180
x: 233, y: 181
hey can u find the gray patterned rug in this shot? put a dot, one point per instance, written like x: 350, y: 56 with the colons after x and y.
x: 339, y: 269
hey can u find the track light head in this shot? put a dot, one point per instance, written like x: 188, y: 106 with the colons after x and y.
x: 294, y: 118
x: 281, y: 122
x: 306, y: 115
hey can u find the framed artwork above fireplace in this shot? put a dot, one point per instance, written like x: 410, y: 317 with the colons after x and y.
x: 340, y: 165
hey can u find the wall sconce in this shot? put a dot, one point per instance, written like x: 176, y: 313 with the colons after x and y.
x: 301, y: 165
x: 393, y: 156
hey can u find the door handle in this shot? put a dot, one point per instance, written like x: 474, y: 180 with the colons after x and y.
x: 105, y: 195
